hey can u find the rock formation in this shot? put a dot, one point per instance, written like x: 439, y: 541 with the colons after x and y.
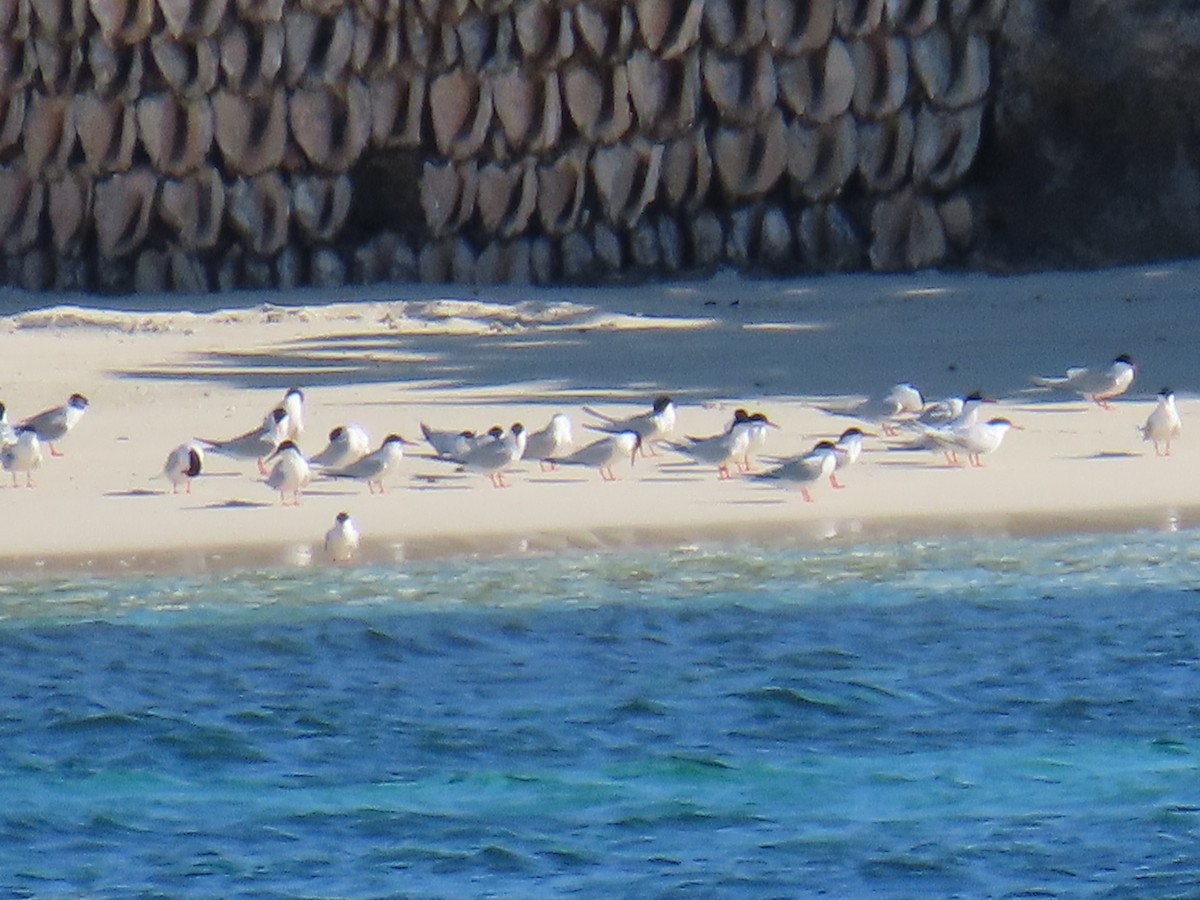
x: 208, y: 144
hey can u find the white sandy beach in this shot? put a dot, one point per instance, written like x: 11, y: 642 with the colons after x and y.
x: 390, y: 359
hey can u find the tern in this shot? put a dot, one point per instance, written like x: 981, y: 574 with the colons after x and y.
x: 293, y: 404
x: 492, y: 457
x: 722, y: 450
x: 347, y: 444
x: 967, y: 415
x: 376, y: 466
x: 22, y: 455
x: 658, y: 423
x: 605, y: 453
x: 449, y: 444
x: 974, y: 440
x: 941, y: 412
x: 552, y: 441
x: 257, y: 444
x: 1096, y: 385
x: 341, y: 541
x: 902, y: 403
x: 52, y: 425
x: 183, y: 464
x: 846, y: 451
x: 290, y: 473
x: 1163, y: 423
x: 759, y: 426
x: 7, y: 435
x: 804, y: 470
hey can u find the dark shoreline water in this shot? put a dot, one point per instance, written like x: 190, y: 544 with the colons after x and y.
x: 995, y: 717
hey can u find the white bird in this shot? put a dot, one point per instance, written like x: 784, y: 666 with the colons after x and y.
x: 846, y: 451
x: 650, y: 426
x: 974, y: 440
x: 967, y: 416
x: 293, y: 404
x: 492, y: 457
x: 183, y: 464
x: 902, y: 403
x: 290, y: 474
x: 802, y: 471
x: 347, y: 444
x: 1163, y: 423
x: 52, y: 425
x: 257, y: 444
x: 375, y: 467
x: 449, y: 444
x: 1097, y: 385
x: 22, y: 455
x: 759, y: 426
x: 941, y: 412
x: 553, y: 440
x: 604, y: 453
x: 341, y: 541
x: 720, y: 450
x: 7, y: 435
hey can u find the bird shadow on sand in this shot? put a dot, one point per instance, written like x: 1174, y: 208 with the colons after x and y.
x: 910, y: 464
x: 137, y: 492
x: 1110, y: 454
x: 237, y: 504
x: 439, y: 483
x: 672, y: 478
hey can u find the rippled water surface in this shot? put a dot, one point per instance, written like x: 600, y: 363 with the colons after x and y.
x: 958, y: 718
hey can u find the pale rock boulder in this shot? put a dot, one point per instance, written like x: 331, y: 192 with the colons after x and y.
x: 107, y: 131
x: 22, y: 201
x: 818, y: 85
x: 885, y: 151
x: 669, y: 28
x: 193, y: 207
x: 122, y: 208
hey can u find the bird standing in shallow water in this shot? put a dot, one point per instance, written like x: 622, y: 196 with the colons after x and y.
x: 342, y: 540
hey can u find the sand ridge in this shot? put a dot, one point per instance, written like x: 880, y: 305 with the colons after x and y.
x: 156, y: 378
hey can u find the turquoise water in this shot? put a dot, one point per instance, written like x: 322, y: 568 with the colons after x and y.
x: 991, y: 717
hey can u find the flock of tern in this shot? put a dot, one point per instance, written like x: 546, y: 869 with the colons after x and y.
x: 954, y: 427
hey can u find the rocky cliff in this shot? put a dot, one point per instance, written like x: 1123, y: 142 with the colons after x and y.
x: 207, y: 144
x: 1092, y: 155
